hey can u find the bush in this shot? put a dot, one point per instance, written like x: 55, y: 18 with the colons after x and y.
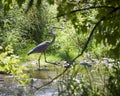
x: 9, y: 65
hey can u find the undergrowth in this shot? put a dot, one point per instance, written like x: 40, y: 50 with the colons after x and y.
x: 98, y: 80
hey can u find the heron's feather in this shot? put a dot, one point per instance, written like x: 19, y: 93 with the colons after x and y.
x: 40, y: 48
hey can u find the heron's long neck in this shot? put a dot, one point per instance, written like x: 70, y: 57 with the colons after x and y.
x: 53, y: 38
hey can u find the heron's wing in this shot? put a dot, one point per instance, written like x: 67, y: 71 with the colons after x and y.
x: 40, y: 48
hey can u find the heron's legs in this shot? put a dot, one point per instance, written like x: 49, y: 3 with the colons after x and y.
x: 54, y: 63
x: 39, y: 60
x: 45, y: 58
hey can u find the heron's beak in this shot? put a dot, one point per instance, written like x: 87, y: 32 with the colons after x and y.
x: 58, y: 28
x: 53, y: 28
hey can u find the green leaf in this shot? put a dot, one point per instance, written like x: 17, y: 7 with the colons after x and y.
x: 20, y: 2
x: 38, y: 3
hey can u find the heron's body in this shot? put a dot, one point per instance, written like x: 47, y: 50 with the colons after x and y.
x: 40, y: 48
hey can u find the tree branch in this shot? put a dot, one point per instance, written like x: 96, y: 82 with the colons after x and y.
x: 87, y: 42
x: 91, y: 33
x: 52, y: 79
x: 83, y: 9
x: 93, y: 7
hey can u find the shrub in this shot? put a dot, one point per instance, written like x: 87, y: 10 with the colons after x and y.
x: 9, y: 65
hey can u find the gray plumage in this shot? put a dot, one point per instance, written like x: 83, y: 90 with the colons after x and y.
x: 44, y: 45
x: 40, y: 48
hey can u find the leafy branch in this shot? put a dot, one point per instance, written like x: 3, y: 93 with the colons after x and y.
x: 87, y: 42
x: 92, y: 32
x: 83, y: 9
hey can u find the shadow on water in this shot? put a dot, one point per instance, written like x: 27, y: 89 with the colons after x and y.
x: 9, y: 87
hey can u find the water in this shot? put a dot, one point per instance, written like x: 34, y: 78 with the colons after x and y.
x: 9, y: 87
x: 47, y: 91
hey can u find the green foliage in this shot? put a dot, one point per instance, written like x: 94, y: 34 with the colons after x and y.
x: 114, y: 81
x: 108, y: 33
x: 99, y: 80
x: 103, y: 14
x: 73, y: 83
x: 7, y: 4
x: 20, y: 2
x: 9, y: 64
x: 86, y: 14
x: 10, y: 28
x: 20, y: 27
x: 79, y: 19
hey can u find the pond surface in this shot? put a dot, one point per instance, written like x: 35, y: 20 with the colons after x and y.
x: 9, y: 87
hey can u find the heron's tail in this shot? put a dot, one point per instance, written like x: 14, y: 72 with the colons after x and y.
x: 30, y: 52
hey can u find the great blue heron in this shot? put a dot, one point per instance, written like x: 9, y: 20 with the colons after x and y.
x: 41, y: 48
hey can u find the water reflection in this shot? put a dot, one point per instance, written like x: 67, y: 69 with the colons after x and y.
x: 8, y: 86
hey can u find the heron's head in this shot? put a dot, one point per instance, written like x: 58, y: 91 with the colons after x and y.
x: 53, y: 28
